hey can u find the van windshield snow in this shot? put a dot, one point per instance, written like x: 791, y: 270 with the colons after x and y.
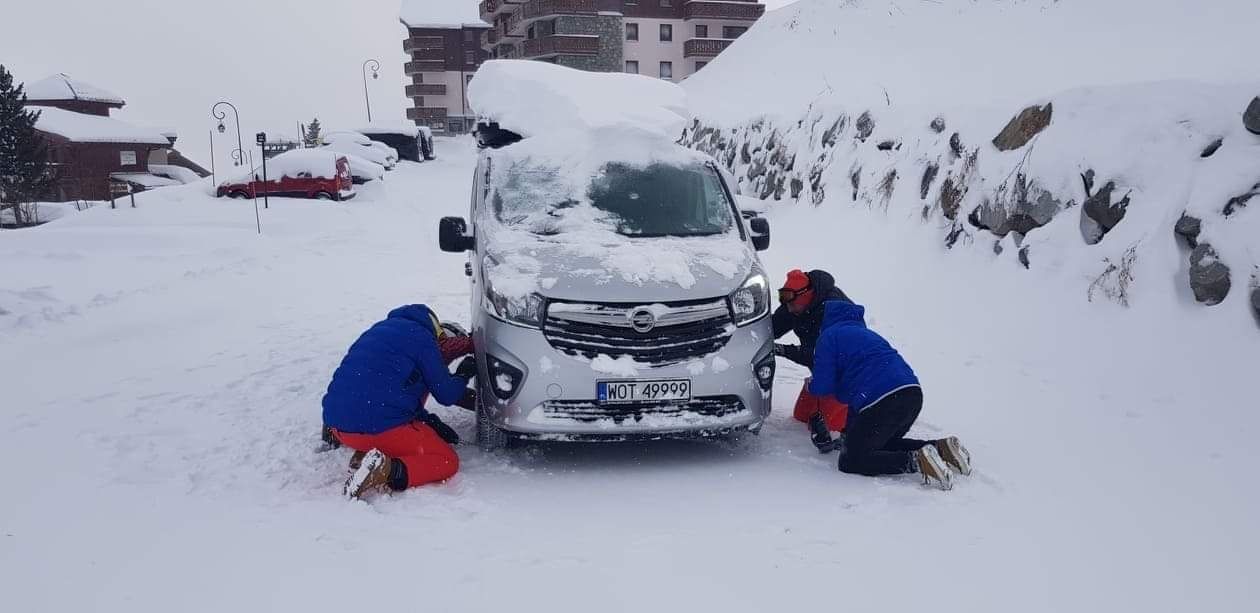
x: 659, y: 200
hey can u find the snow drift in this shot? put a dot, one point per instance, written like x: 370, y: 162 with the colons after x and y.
x: 1119, y: 160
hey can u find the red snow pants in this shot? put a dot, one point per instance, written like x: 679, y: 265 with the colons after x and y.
x: 835, y: 412
x: 427, y: 457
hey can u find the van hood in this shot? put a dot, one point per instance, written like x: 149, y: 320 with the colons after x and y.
x: 643, y: 270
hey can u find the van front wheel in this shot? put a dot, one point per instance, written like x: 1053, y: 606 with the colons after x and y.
x: 489, y: 436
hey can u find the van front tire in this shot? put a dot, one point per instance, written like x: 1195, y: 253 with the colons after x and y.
x: 489, y: 436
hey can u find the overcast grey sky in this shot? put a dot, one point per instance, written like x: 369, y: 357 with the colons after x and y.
x: 279, y: 61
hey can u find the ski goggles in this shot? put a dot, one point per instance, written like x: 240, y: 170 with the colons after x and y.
x: 790, y: 295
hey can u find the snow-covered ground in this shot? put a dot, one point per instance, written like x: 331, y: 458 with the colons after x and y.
x: 163, y: 367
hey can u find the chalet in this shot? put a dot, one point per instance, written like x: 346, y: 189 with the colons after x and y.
x: 93, y: 152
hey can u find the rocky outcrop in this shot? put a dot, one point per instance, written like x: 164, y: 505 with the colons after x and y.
x: 938, y: 125
x: 1029, y: 123
x: 1240, y: 202
x: 1022, y: 208
x: 1188, y: 228
x: 1251, y: 117
x: 1100, y: 214
x: 1209, y: 276
x: 1255, y: 294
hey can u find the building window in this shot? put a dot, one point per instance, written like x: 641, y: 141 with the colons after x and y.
x: 667, y: 32
x: 667, y: 70
x: 700, y: 65
x: 470, y: 58
x: 419, y: 78
x: 667, y: 3
x: 420, y: 102
x: 702, y: 31
x: 632, y: 66
x: 632, y: 31
x: 470, y: 36
x: 733, y: 31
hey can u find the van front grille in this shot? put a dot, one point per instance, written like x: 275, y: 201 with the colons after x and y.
x: 586, y: 411
x: 657, y: 334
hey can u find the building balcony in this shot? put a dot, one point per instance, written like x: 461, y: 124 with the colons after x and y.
x: 705, y: 47
x: 425, y: 89
x: 423, y: 113
x: 541, y: 9
x: 548, y: 46
x: 417, y: 67
x: 437, y: 55
x: 423, y: 43
x: 491, y: 38
x: 741, y: 11
x: 490, y: 8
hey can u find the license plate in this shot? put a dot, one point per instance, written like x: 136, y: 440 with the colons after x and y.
x: 662, y: 390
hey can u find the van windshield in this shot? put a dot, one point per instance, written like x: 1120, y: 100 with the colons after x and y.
x: 658, y: 200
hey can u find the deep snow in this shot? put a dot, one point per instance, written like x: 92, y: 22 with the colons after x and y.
x: 163, y: 368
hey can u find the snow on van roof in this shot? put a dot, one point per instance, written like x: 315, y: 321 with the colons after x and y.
x: 388, y: 127
x: 320, y: 163
x: 538, y: 99
x: 62, y: 87
x: 84, y: 128
x: 441, y: 14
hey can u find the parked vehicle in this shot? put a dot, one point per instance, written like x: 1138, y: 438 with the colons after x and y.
x: 636, y: 310
x: 363, y: 170
x: 302, y: 173
x: 413, y: 143
x: 354, y: 143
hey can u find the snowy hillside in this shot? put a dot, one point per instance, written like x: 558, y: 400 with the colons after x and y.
x: 1101, y: 142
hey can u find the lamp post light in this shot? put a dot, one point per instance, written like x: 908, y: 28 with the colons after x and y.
x: 376, y: 67
x: 221, y: 115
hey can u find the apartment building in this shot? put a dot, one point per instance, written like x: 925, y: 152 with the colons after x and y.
x: 669, y: 39
x: 444, y: 48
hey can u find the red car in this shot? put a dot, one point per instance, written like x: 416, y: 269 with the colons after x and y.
x: 302, y: 173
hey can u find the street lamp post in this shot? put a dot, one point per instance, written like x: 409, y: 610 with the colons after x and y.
x: 238, y: 156
x: 376, y: 67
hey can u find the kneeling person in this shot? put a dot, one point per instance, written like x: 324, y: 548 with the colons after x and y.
x: 375, y: 403
x: 860, y: 368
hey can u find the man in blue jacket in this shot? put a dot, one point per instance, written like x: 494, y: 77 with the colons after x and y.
x: 375, y: 403
x: 860, y: 368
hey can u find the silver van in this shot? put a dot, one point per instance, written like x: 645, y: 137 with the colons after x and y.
x: 632, y: 306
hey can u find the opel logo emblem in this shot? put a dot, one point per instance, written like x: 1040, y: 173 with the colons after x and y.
x: 642, y: 320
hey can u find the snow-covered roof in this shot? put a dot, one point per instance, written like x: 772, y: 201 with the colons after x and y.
x: 384, y: 127
x: 62, y: 87
x: 83, y: 128
x: 441, y: 14
x: 144, y: 179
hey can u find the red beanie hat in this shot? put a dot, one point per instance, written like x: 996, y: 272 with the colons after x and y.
x: 796, y: 281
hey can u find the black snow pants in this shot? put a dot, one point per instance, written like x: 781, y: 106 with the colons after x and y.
x: 875, y: 442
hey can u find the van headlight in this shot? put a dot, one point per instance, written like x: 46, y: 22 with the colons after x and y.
x: 751, y: 301
x: 527, y: 310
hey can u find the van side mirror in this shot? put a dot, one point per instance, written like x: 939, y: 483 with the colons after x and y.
x: 760, y: 227
x: 453, y: 235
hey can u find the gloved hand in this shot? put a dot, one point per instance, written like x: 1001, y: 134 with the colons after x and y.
x: 820, y: 434
x: 791, y: 352
x: 467, y: 368
x: 447, y: 433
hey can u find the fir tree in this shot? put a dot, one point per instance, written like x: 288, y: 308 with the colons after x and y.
x: 313, y: 136
x: 24, y: 170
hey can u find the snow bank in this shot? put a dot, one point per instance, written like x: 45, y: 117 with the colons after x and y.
x: 41, y: 212
x: 993, y: 53
x: 1008, y: 153
x: 537, y: 98
x: 83, y: 128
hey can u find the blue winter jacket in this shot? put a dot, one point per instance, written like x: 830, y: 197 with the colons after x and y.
x: 853, y: 363
x: 386, y: 374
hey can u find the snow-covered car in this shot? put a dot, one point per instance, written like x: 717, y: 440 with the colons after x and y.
x: 613, y: 299
x: 360, y: 145
x: 301, y: 173
x: 363, y: 170
x: 410, y: 142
